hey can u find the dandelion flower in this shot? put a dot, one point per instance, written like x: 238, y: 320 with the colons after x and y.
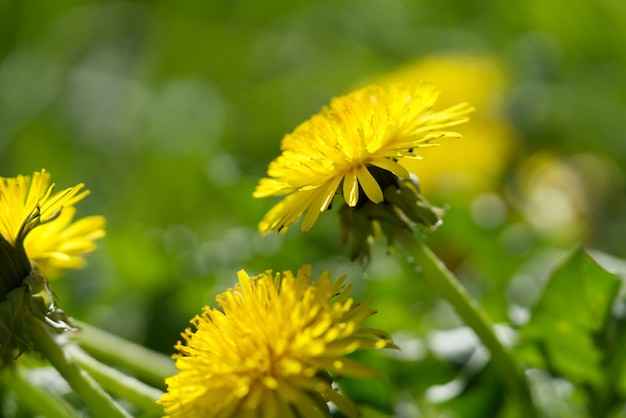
x: 271, y: 350
x: 37, y: 239
x: 341, y: 149
x: 466, y: 168
x: 33, y: 216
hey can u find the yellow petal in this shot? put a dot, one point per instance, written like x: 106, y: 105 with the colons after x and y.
x: 351, y: 188
x: 370, y: 185
x: 392, y: 166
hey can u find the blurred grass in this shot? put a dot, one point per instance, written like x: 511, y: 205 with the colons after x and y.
x: 171, y: 111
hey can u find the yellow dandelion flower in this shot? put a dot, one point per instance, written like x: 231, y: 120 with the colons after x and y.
x: 269, y: 351
x: 474, y: 165
x: 37, y: 239
x: 342, y: 148
x: 33, y: 216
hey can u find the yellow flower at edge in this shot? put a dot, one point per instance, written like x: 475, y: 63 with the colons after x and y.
x: 372, y: 128
x: 32, y: 213
x: 271, y: 350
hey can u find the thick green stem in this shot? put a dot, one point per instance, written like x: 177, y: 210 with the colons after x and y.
x: 118, y: 383
x: 449, y: 288
x: 34, y: 399
x: 147, y: 365
x: 99, y: 403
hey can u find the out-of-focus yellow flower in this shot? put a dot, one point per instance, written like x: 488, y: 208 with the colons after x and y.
x: 342, y: 148
x: 271, y: 350
x: 474, y: 164
x: 33, y: 216
x: 557, y: 195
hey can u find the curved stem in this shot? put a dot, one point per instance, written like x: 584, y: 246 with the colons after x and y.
x: 153, y: 368
x: 99, y: 403
x: 449, y: 288
x: 35, y: 399
x: 118, y: 383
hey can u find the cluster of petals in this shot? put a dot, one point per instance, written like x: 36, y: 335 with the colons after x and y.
x: 268, y: 352
x: 333, y: 151
x: 33, y: 215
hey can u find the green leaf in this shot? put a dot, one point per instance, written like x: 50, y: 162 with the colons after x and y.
x: 571, y: 311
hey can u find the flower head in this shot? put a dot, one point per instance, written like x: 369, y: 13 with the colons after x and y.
x: 343, y: 147
x: 269, y: 351
x: 37, y: 238
x: 34, y: 217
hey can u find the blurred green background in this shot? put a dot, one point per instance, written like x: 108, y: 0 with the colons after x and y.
x: 170, y: 111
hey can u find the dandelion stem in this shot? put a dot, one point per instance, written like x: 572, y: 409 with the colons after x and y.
x: 448, y: 287
x: 153, y: 368
x: 99, y: 403
x: 118, y: 383
x: 36, y: 400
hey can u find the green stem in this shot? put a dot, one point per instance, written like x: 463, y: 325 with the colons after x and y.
x: 34, y: 399
x: 449, y: 288
x: 99, y: 403
x: 118, y: 383
x: 147, y: 365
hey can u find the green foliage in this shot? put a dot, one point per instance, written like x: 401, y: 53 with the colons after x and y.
x: 576, y: 332
x: 573, y: 310
x: 170, y: 111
